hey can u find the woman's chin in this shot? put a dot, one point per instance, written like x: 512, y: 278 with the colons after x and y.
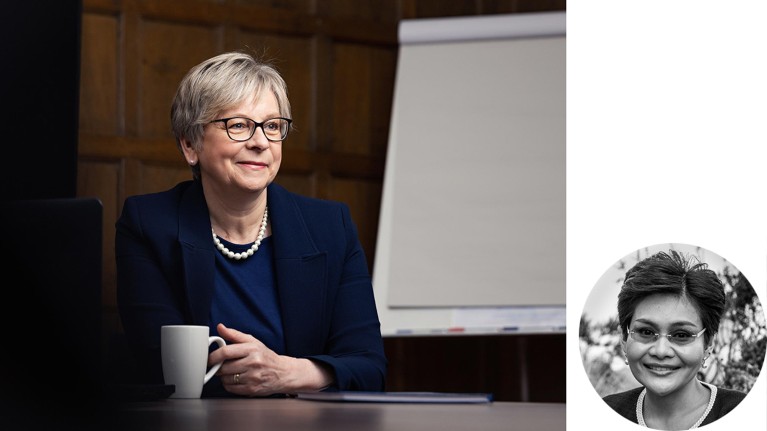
x: 661, y: 387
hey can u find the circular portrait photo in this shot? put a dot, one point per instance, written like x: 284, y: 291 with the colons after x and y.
x: 673, y: 337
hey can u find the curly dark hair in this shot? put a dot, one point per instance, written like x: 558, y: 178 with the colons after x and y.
x: 676, y: 274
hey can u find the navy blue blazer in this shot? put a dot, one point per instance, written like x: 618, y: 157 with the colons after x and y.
x: 165, y: 269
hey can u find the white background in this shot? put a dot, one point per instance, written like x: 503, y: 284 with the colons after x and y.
x: 666, y: 137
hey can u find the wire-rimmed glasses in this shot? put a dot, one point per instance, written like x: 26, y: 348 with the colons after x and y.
x: 241, y: 129
x: 679, y: 337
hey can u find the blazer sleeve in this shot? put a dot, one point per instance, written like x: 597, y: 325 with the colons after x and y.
x: 147, y: 295
x: 354, y: 346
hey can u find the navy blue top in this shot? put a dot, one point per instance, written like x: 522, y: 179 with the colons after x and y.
x: 246, y: 295
x: 166, y: 275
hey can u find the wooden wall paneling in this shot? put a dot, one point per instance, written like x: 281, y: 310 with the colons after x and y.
x: 522, y: 368
x: 230, y: 38
x: 357, y: 166
x: 360, y: 10
x: 522, y: 6
x: 132, y: 152
x: 364, y: 200
x: 383, y: 70
x: 505, y: 367
x: 296, y: 171
x: 448, y: 364
x: 296, y: 161
x: 131, y: 179
x: 130, y: 69
x: 272, y: 20
x: 301, y: 184
x: 415, y: 9
x: 116, y: 147
x: 168, y: 51
x: 197, y: 12
x: 364, y: 32
x: 99, y: 62
x: 163, y: 176
x: 291, y: 5
x: 102, y: 6
x: 322, y: 112
x: 363, y: 76
x: 546, y: 361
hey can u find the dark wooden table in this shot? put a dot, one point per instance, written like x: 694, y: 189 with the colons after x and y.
x: 296, y: 414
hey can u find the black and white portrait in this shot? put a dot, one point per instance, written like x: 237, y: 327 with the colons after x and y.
x: 672, y: 337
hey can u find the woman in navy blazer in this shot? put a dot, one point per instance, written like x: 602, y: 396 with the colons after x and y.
x: 282, y: 277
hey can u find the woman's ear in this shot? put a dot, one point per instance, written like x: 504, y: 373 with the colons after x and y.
x: 623, y: 350
x: 189, y: 153
x: 623, y: 343
x: 710, y: 347
x: 707, y: 351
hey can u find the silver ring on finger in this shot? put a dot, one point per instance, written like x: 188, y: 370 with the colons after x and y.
x: 237, y: 379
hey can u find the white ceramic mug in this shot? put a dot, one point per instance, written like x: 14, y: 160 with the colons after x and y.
x: 185, y: 358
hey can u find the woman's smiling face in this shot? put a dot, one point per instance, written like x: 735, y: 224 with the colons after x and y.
x: 662, y: 366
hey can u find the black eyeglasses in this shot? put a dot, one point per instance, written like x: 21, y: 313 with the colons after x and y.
x: 241, y: 129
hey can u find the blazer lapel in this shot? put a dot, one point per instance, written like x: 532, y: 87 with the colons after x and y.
x: 197, y: 253
x: 301, y: 272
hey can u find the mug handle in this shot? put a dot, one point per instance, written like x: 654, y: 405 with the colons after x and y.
x: 221, y: 343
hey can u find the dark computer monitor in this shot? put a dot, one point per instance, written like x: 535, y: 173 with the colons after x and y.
x: 51, y: 304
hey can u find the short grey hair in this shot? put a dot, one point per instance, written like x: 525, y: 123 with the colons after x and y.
x: 217, y: 84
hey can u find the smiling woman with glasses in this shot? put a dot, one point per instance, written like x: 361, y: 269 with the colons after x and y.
x: 669, y: 309
x: 281, y: 277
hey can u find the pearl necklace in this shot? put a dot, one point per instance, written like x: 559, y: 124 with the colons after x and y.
x: 252, y: 250
x: 709, y: 406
